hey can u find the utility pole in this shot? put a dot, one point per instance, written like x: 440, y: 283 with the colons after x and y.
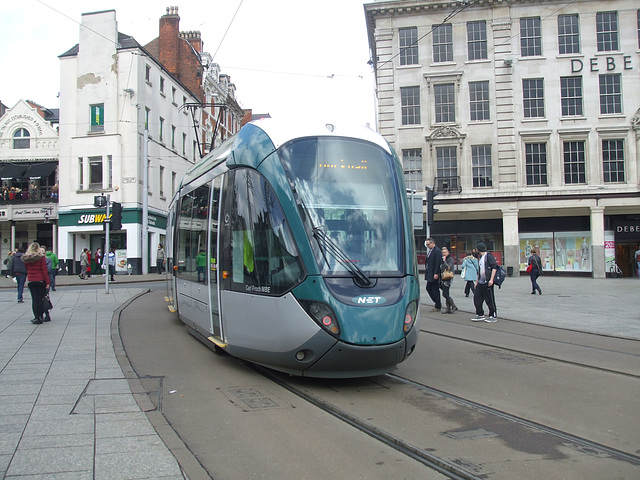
x: 145, y: 203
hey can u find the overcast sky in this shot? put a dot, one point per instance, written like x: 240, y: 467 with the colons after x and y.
x: 289, y: 58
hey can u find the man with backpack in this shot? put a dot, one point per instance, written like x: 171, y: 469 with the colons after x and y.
x: 484, y: 286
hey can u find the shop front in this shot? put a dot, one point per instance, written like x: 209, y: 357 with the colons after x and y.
x: 86, y: 229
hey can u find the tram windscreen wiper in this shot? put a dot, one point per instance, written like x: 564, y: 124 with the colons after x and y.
x: 336, y: 252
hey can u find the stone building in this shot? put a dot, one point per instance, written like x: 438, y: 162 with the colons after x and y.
x: 523, y: 116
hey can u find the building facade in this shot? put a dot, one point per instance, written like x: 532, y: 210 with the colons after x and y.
x: 127, y: 132
x: 524, y: 118
x: 28, y: 169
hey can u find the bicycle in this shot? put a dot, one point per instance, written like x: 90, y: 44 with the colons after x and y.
x: 615, y: 270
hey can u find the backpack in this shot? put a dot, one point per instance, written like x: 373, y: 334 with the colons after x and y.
x: 501, y: 274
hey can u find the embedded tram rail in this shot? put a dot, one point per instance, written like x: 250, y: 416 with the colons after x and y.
x: 506, y: 400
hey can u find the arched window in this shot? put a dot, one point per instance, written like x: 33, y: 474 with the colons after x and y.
x: 21, y: 139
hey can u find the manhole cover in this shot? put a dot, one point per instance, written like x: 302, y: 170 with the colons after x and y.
x: 250, y: 398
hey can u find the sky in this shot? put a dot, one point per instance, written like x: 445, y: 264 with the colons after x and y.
x: 288, y: 58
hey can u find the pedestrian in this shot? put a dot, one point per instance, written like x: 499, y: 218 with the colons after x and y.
x: 89, y: 258
x: 84, y: 263
x: 432, y: 273
x: 8, y: 261
x: 112, y: 263
x: 636, y: 255
x: 446, y: 279
x: 470, y: 271
x: 536, y: 270
x: 35, y: 260
x: 160, y: 259
x: 484, y: 286
x: 55, y: 263
x: 97, y: 268
x: 19, y: 272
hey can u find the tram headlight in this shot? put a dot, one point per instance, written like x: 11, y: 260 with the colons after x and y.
x: 323, y: 315
x: 410, y: 316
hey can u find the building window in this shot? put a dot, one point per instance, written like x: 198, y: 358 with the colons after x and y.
x: 147, y: 74
x: 479, y: 100
x: 147, y: 112
x: 536, y: 163
x: 161, y: 181
x: 571, y: 96
x: 160, y: 135
x: 613, y: 160
x: 21, y: 139
x: 95, y: 173
x: 445, y: 102
x: 173, y: 184
x: 410, y: 99
x: 81, y: 173
x: 442, y: 43
x: 97, y: 117
x: 607, y: 31
x: 184, y: 144
x: 574, y: 162
x: 477, y: 40
x: 638, y: 23
x: 195, y: 149
x: 533, y: 97
x: 161, y: 85
x: 481, y: 165
x: 412, y: 166
x: 568, y: 34
x: 173, y: 137
x: 409, y: 46
x: 610, y: 93
x: 109, y: 171
x: 446, y: 169
x: 173, y: 95
x: 530, y: 37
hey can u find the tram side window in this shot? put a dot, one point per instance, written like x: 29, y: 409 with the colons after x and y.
x: 192, y: 237
x: 263, y: 257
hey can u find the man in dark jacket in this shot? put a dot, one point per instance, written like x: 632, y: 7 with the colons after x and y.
x: 432, y: 273
x: 484, y: 286
x: 19, y: 272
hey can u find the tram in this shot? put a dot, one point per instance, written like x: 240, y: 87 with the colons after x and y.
x: 291, y: 247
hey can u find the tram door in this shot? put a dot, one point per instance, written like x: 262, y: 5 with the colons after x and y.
x: 213, y: 259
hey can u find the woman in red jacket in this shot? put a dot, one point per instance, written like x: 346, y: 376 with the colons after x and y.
x: 38, y: 279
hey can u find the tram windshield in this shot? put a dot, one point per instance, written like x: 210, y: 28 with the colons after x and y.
x: 349, y: 191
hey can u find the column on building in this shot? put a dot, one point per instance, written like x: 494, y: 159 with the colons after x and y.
x: 597, y: 241
x: 511, y: 238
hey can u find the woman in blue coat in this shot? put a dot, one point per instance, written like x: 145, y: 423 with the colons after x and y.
x: 470, y: 271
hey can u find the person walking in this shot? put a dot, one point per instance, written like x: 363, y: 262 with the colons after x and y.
x: 484, y: 286
x: 35, y: 260
x: 636, y: 255
x: 536, y: 270
x: 8, y: 261
x: 97, y: 268
x: 446, y: 279
x: 432, y: 273
x: 54, y: 267
x: 84, y: 262
x: 160, y: 259
x: 19, y: 272
x: 112, y: 264
x: 470, y: 272
x: 89, y: 257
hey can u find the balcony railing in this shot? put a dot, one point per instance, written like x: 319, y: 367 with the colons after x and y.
x: 447, y: 184
x: 38, y: 195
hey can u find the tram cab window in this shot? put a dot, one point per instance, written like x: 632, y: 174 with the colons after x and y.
x: 260, y: 254
x: 192, y: 233
x: 349, y: 189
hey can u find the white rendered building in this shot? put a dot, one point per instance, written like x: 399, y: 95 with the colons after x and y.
x: 523, y: 116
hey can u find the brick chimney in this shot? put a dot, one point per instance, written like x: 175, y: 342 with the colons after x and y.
x: 169, y: 40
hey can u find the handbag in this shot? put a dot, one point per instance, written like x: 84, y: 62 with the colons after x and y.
x: 447, y: 275
x: 46, y: 303
x: 529, y: 268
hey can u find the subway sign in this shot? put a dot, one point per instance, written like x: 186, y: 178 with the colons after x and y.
x: 92, y: 219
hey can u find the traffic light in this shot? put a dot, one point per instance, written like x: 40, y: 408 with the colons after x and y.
x: 431, y: 210
x: 116, y: 216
